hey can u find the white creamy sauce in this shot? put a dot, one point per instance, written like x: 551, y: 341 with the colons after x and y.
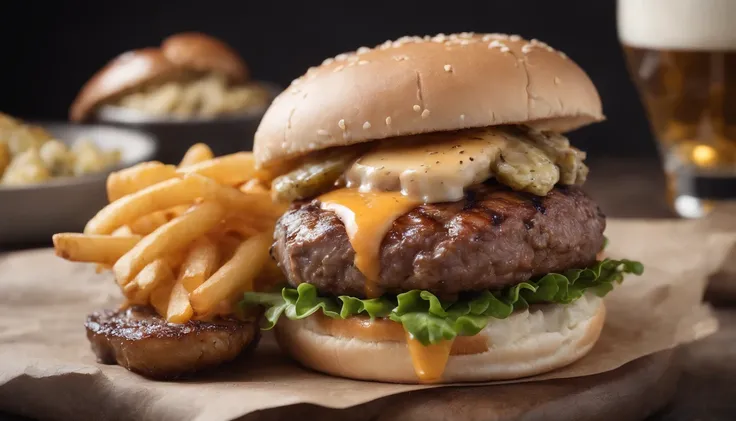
x: 433, y: 168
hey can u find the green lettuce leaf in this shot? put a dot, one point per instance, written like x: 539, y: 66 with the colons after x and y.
x: 431, y: 320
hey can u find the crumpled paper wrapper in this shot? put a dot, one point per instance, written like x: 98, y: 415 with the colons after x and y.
x: 48, y: 371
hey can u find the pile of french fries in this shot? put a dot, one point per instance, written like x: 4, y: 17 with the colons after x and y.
x: 188, y: 239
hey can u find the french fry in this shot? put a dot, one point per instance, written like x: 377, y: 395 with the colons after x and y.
x: 172, y: 213
x: 149, y: 278
x: 200, y: 262
x: 104, y: 249
x: 238, y: 226
x: 252, y: 203
x: 254, y: 186
x: 227, y: 244
x: 161, y: 196
x: 122, y: 231
x: 237, y: 274
x: 175, y: 259
x: 195, y: 154
x: 179, y: 310
x: 172, y: 236
x: 160, y: 297
x: 231, y: 169
x: 148, y: 223
x: 137, y: 177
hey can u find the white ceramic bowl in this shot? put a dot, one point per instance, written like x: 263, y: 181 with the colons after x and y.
x: 31, y: 214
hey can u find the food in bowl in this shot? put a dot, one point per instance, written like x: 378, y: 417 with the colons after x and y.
x: 438, y: 231
x: 29, y: 154
x: 190, y: 75
x: 183, y: 244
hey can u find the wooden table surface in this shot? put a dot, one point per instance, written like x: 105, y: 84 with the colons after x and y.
x: 707, y: 387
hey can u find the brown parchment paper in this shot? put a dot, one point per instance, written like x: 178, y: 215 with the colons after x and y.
x: 48, y: 371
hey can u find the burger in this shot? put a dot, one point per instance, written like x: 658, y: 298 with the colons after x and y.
x: 438, y: 231
x: 190, y: 75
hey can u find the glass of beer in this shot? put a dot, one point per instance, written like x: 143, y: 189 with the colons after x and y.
x: 682, y: 57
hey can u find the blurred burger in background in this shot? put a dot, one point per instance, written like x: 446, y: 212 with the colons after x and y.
x: 438, y: 230
x: 191, y: 88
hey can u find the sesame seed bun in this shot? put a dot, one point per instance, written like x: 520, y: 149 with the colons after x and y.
x: 527, y: 343
x: 418, y: 85
x: 178, y: 55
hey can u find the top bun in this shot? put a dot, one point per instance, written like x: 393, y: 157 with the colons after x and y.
x: 417, y: 85
x: 204, y: 53
x: 178, y: 55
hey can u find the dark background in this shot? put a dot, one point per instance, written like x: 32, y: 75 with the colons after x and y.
x: 52, y: 48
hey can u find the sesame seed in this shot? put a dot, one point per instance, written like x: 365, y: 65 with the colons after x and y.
x: 341, y: 124
x: 462, y: 117
x: 563, y: 55
x: 353, y: 58
x: 284, y: 145
x: 557, y: 80
x: 416, y: 107
x: 328, y: 61
x: 526, y: 48
x: 426, y: 38
x: 338, y: 68
x: 534, y: 41
x: 363, y: 50
x: 464, y: 42
x: 366, y: 125
x: 453, y: 36
x: 550, y: 49
x: 448, y: 67
x: 341, y: 57
x: 296, y: 81
x: 514, y: 38
x: 312, y: 145
x: 362, y: 62
x: 400, y: 58
x: 388, y: 121
x: 323, y: 132
x: 496, y: 44
x: 351, y: 64
x: 505, y: 49
x: 425, y: 113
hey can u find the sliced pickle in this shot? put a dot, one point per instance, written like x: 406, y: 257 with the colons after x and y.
x: 526, y: 167
x: 315, y: 176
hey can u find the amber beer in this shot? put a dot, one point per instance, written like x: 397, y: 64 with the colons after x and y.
x: 682, y: 57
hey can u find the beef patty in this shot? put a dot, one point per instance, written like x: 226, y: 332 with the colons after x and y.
x: 492, y: 238
x: 142, y: 341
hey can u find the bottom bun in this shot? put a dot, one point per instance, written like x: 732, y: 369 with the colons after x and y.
x: 539, y: 339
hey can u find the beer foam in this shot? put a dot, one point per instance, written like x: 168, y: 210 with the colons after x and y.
x: 678, y: 24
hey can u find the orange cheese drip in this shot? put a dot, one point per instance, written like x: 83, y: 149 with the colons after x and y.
x: 429, y: 360
x: 367, y: 217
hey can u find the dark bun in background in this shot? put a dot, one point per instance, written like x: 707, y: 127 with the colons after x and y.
x: 178, y: 55
x: 200, y: 52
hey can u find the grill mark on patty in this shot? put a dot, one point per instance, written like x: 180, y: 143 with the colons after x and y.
x: 499, y: 239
